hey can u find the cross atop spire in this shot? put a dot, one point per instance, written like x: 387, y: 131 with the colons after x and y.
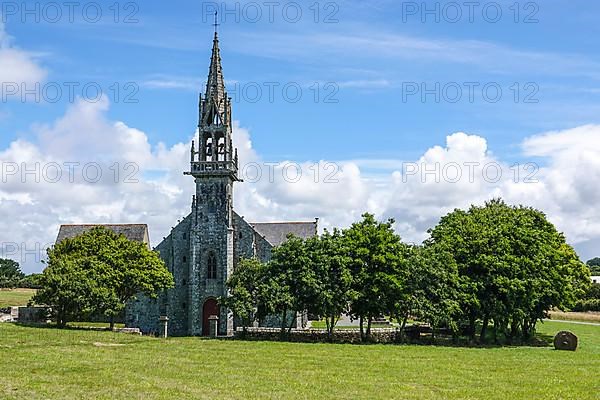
x: 216, y: 24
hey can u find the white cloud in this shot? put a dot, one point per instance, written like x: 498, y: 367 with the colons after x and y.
x: 570, y: 192
x: 33, y: 204
x: 30, y: 211
x: 16, y: 65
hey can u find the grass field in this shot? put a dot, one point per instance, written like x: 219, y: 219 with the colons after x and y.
x: 45, y: 363
x: 15, y: 297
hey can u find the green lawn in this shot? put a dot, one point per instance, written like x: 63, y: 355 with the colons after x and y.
x: 74, y: 364
x: 42, y: 363
x: 15, y: 297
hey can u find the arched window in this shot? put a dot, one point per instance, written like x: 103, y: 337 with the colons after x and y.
x: 211, y: 271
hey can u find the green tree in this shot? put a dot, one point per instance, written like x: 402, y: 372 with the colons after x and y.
x: 329, y: 259
x: 245, y: 285
x: 10, y: 273
x: 293, y: 284
x: 594, y: 265
x: 275, y: 295
x: 513, y: 267
x: 375, y: 258
x: 32, y: 281
x: 431, y: 290
x: 111, y: 270
x: 69, y: 288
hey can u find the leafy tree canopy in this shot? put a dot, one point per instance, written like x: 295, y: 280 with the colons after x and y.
x: 377, y: 264
x: 513, y: 265
x: 10, y: 273
x: 247, y: 288
x: 594, y: 265
x: 99, y: 271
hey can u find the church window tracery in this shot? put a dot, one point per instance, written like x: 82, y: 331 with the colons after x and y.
x: 211, y: 272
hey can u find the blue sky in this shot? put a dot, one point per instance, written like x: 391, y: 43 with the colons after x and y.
x: 369, y: 63
x: 369, y: 54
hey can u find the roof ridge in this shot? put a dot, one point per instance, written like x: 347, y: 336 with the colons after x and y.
x: 284, y: 222
x: 100, y: 224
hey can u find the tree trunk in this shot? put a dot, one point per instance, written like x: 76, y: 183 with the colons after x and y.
x: 484, y: 327
x: 402, y: 327
x: 283, y: 324
x: 527, y: 329
x: 61, y: 317
x: 362, y: 329
x: 331, y: 327
x: 455, y: 336
x: 369, y: 320
x: 112, y: 322
x: 532, y: 327
x: 472, y: 327
x: 514, y: 329
x: 292, y: 324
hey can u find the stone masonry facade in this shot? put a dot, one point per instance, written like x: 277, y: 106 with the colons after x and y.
x: 203, y: 250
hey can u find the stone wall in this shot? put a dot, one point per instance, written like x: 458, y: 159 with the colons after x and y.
x: 33, y: 315
x: 378, y: 335
x: 143, y: 313
x: 296, y: 320
x: 184, y: 303
x: 177, y: 256
x: 212, y: 236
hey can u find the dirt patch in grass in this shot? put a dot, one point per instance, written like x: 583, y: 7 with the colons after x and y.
x: 100, y: 344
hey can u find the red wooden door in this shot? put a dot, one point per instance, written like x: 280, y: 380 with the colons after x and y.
x: 210, y: 308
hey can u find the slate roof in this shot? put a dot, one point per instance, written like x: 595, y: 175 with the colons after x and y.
x: 135, y: 232
x: 276, y: 232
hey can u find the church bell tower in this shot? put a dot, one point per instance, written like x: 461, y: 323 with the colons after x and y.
x: 214, y: 166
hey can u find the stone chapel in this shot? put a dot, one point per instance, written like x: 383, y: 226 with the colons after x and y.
x: 203, y: 250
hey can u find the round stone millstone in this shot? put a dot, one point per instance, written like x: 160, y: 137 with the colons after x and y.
x: 565, y: 340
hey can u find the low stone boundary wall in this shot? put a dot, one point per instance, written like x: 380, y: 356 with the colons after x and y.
x: 33, y: 315
x: 129, y: 331
x: 378, y: 335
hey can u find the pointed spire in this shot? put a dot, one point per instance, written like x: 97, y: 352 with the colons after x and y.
x: 215, y: 85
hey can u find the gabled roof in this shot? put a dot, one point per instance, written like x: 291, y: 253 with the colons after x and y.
x: 134, y: 232
x: 276, y: 232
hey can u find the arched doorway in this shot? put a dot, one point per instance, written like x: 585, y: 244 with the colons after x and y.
x: 210, y: 308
